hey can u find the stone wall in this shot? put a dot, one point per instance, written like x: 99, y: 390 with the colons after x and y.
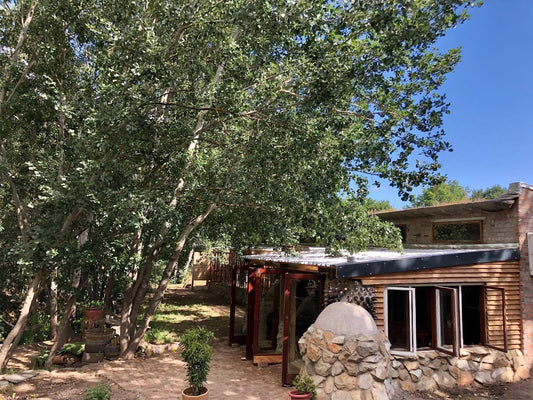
x: 432, y: 370
x: 347, y: 367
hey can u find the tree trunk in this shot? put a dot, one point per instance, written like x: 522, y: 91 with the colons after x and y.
x: 135, y: 340
x: 61, y: 338
x: 13, y: 338
x: 53, y: 306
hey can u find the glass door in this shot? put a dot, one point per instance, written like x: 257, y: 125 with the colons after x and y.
x: 303, y: 301
x: 400, y: 319
x: 447, y: 320
x: 240, y: 288
x: 267, y: 329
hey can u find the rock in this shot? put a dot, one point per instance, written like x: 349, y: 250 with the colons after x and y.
x: 338, y: 340
x: 328, y: 356
x: 501, y: 362
x: 504, y: 374
x: 317, y: 380
x: 523, y: 372
x: 424, y: 360
x: 408, y: 386
x: 16, y: 378
x: 465, y: 378
x: 416, y: 374
x: 489, y: 359
x: 435, y: 363
x: 341, y: 395
x: 396, y: 364
x: 367, y: 348
x: 484, y: 377
x: 403, y: 374
x: 330, y: 385
x: 380, y: 374
x: 345, y: 382
x: 443, y: 379
x: 426, y: 384
x: 328, y: 336
x: 322, y: 368
x: 375, y: 358
x: 379, y: 393
x: 334, y: 348
x: 4, y: 384
x: 350, y: 347
x: 454, y: 371
x: 427, y: 371
x: 463, y: 364
x: 337, y: 369
x: 313, y: 352
x: 411, y: 365
x: 365, y: 381
x: 321, y: 395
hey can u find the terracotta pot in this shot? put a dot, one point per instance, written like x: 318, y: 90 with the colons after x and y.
x: 185, y: 394
x: 94, y: 314
x: 59, y: 360
x: 295, y: 394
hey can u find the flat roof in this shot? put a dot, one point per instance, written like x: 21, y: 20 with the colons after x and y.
x: 379, y: 261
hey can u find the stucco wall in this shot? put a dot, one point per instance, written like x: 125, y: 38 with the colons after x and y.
x: 525, y: 220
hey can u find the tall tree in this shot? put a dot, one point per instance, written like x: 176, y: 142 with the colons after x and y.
x: 139, y: 124
x: 448, y: 192
x: 488, y: 193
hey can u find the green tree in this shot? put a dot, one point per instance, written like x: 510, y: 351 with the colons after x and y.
x: 378, y: 205
x: 129, y: 128
x: 448, y: 192
x: 487, y: 194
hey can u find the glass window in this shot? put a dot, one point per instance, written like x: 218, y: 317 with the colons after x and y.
x: 459, y: 231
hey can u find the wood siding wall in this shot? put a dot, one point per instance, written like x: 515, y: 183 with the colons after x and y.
x: 502, y: 274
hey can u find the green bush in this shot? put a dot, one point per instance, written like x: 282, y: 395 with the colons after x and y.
x: 39, y: 361
x: 197, y: 353
x: 304, y: 384
x: 99, y: 392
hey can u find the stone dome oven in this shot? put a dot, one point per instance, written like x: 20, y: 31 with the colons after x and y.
x: 346, y: 355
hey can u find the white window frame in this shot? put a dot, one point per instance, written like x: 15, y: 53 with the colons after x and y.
x: 412, y: 318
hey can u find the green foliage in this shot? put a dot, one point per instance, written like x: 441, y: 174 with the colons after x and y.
x: 488, y: 194
x: 97, y: 304
x: 445, y: 193
x: 196, y: 345
x: 121, y: 118
x: 99, y: 392
x: 76, y: 348
x: 377, y: 205
x: 39, y: 361
x: 157, y: 335
x: 304, y: 384
x: 451, y: 192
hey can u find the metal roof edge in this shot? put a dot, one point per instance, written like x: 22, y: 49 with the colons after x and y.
x: 372, y: 268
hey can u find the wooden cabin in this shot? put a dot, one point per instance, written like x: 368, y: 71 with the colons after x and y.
x: 463, y: 282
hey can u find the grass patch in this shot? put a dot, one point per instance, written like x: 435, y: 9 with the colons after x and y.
x: 182, y: 310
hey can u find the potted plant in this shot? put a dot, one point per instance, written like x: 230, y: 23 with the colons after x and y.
x: 196, y: 352
x: 94, y: 311
x: 305, y: 387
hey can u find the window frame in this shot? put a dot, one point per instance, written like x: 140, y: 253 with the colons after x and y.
x: 412, y: 318
x: 457, y: 316
x: 477, y: 221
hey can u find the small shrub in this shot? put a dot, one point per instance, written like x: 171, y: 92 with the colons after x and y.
x: 39, y: 361
x: 196, y: 345
x: 304, y: 384
x: 99, y: 392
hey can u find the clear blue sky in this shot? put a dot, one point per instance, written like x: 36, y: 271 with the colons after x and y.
x: 490, y: 125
